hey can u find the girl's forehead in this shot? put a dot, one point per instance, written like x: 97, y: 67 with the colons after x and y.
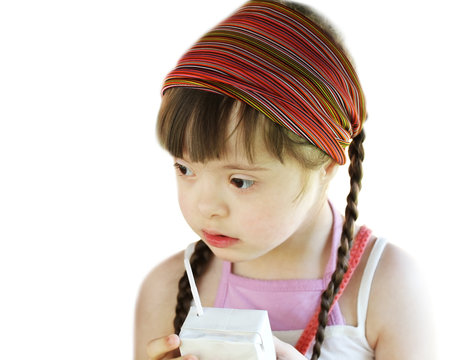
x: 236, y: 156
x: 235, y: 146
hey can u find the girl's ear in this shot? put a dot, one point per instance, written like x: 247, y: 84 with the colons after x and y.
x: 329, y: 170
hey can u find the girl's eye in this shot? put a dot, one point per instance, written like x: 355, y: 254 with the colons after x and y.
x: 242, y: 183
x: 183, y: 170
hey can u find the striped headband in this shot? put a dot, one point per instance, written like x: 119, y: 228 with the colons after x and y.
x: 281, y: 63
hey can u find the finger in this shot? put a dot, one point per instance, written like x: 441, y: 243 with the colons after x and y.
x: 158, y: 348
x: 285, y: 351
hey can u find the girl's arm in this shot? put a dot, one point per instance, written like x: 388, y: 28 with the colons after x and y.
x: 155, y: 307
x: 399, y: 313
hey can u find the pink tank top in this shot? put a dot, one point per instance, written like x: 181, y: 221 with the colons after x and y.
x: 290, y: 303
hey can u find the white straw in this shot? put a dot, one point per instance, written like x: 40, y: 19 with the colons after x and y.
x: 197, y: 300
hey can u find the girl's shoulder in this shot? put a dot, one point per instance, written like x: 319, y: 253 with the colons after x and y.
x: 155, y: 307
x: 399, y: 316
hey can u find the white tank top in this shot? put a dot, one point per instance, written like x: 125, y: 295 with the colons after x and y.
x: 344, y: 341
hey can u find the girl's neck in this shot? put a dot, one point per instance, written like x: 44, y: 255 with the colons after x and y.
x: 304, y: 255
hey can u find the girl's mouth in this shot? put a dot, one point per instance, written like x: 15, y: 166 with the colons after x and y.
x: 218, y: 240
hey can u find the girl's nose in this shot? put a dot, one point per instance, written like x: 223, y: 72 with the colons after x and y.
x: 211, y: 203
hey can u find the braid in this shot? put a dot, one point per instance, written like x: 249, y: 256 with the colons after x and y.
x: 356, y: 154
x: 199, y: 262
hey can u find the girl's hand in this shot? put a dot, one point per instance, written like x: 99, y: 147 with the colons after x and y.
x: 285, y: 351
x: 164, y: 347
x: 159, y: 348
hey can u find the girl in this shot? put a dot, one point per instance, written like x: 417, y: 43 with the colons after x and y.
x: 258, y: 115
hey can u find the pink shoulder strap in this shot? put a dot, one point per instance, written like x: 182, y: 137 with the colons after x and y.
x: 359, y: 245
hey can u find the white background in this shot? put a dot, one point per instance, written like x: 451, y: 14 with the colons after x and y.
x: 87, y: 198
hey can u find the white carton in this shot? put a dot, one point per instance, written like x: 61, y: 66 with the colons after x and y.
x: 224, y: 334
x: 228, y: 334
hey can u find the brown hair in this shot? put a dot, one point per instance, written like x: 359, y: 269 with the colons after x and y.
x: 195, y: 122
x: 204, y: 116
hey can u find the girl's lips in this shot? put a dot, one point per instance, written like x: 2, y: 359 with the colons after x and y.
x: 218, y: 240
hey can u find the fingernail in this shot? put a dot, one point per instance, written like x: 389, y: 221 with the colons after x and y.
x: 172, y: 340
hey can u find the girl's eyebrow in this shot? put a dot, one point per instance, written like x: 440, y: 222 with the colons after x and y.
x: 244, y: 167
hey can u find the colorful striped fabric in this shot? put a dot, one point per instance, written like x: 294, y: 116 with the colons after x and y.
x: 280, y: 63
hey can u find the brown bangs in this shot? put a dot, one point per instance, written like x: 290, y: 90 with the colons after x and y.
x: 194, y: 123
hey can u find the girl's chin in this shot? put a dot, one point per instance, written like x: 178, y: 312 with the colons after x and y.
x: 234, y: 255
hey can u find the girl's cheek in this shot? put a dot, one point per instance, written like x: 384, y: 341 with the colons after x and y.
x: 185, y: 206
x: 271, y: 220
x: 260, y: 222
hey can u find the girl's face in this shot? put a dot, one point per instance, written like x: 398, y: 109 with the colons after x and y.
x: 245, y: 210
